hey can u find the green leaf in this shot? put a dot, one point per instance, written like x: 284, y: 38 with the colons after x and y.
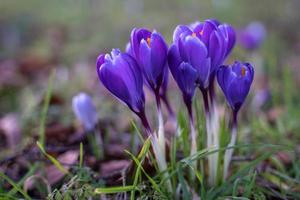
x: 15, y: 186
x: 52, y: 159
x: 112, y: 190
x: 45, y: 108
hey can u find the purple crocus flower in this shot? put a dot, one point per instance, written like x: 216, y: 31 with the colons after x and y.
x: 189, y: 64
x: 219, y: 39
x: 120, y: 74
x: 235, y: 81
x: 164, y: 85
x: 128, y: 49
x: 252, y: 36
x: 150, y: 51
x: 85, y: 110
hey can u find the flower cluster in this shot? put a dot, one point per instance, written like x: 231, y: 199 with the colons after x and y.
x: 194, y: 58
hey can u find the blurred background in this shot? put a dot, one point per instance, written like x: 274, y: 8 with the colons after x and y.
x: 37, y: 36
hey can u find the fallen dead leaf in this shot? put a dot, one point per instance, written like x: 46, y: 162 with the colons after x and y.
x: 112, y: 166
x: 11, y: 128
x: 54, y: 175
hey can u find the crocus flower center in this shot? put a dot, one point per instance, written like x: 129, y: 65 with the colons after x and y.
x: 243, y: 71
x: 201, y: 32
x: 148, y: 41
x: 194, y: 34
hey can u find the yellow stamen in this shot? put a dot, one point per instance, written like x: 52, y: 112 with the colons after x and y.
x: 201, y: 32
x: 148, y: 41
x: 243, y: 71
x: 193, y: 34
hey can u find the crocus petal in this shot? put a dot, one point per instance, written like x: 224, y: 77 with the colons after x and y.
x: 216, y: 51
x: 150, y: 51
x: 229, y: 36
x: 186, y: 80
x: 158, y: 56
x: 208, y: 28
x: 145, y: 62
x: 195, y: 51
x: 237, y: 92
x: 114, y: 84
x: 197, y: 27
x: 179, y: 30
x: 136, y: 36
x: 235, y: 81
x: 128, y: 49
x: 204, y: 72
x: 121, y: 76
x: 174, y: 60
x: 100, y: 60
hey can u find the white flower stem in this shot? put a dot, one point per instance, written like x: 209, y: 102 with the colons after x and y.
x: 229, y: 152
x: 161, y: 132
x: 193, y: 141
x: 161, y: 161
x: 193, y: 135
x: 215, y: 140
x: 210, y: 140
x: 158, y: 144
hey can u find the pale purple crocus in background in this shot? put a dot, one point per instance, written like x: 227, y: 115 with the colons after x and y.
x: 252, y: 36
x: 85, y: 110
x: 235, y: 81
x: 86, y: 113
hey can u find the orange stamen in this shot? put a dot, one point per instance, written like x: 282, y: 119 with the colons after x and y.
x: 243, y: 71
x: 201, y: 32
x: 194, y: 34
x: 148, y: 41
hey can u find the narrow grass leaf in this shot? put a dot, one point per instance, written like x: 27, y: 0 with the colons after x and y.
x: 45, y: 108
x: 15, y: 186
x: 112, y: 190
x: 52, y: 159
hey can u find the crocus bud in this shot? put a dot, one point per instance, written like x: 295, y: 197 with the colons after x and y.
x: 184, y: 74
x: 85, y: 110
x: 252, y: 36
x: 235, y: 81
x: 150, y: 51
x: 219, y: 39
x: 121, y: 75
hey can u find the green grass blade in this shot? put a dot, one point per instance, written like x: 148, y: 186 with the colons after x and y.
x: 141, y: 156
x: 138, y: 132
x: 15, y: 186
x: 45, y: 108
x: 28, y: 174
x: 112, y: 190
x: 52, y: 159
x: 154, y: 184
x: 186, y: 193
